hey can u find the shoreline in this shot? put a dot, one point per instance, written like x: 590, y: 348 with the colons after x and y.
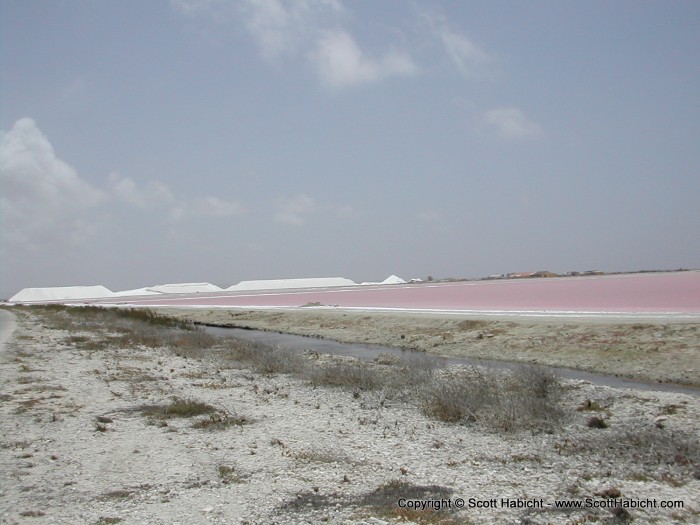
x: 652, y: 352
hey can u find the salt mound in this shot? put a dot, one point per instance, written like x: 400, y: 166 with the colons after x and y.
x: 392, y: 279
x: 184, y: 288
x: 38, y: 295
x: 136, y: 291
x: 282, y: 284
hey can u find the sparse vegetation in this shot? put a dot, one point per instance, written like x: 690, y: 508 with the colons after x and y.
x: 590, y: 406
x: 596, y: 422
x: 178, y: 408
x: 221, y: 421
x: 352, y: 374
x: 214, y: 418
x: 527, y: 398
x: 118, y: 494
x: 120, y: 327
x: 227, y: 474
x: 383, y: 500
x: 369, y: 400
x: 315, y: 303
x: 319, y: 455
x: 645, y: 449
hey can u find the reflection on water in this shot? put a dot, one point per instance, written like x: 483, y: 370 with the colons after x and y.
x: 369, y: 352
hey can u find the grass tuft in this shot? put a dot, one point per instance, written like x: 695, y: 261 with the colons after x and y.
x: 179, y: 407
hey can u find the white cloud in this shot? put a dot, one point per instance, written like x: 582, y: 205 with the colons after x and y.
x: 269, y: 23
x: 294, y: 210
x: 215, y: 207
x: 511, y: 123
x: 466, y: 56
x: 156, y: 196
x: 310, y: 31
x: 212, y: 8
x: 44, y: 202
x: 283, y: 27
x: 341, y: 63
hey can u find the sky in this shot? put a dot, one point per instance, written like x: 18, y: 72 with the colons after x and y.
x: 224, y: 140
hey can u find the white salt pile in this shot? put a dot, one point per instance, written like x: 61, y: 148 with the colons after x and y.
x: 393, y: 279
x: 135, y: 292
x: 283, y: 284
x: 185, y: 288
x: 60, y: 293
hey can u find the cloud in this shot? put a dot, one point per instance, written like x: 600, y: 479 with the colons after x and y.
x: 511, y: 123
x: 212, y: 8
x: 341, y: 63
x: 466, y: 56
x: 156, y: 196
x: 269, y: 23
x: 311, y: 32
x: 44, y: 202
x: 215, y: 207
x: 294, y: 210
x: 280, y: 27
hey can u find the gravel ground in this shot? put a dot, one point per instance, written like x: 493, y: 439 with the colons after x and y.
x: 78, y: 446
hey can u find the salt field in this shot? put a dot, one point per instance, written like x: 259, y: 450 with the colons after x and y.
x: 675, y: 294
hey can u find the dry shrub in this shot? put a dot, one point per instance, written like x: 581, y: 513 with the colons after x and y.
x: 178, y: 407
x: 646, y: 447
x: 126, y: 327
x: 357, y: 375
x: 462, y: 399
x: 384, y: 500
x: 596, y: 422
x: 263, y: 358
x: 526, y: 398
x: 221, y: 421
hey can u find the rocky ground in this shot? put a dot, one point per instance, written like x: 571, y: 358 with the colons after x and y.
x: 665, y: 352
x: 85, y: 439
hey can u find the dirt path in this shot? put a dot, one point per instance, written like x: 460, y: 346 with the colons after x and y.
x: 665, y: 352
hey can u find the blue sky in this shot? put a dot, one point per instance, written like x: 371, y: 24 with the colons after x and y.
x: 223, y: 140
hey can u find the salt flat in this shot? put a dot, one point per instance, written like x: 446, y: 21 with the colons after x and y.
x: 672, y: 295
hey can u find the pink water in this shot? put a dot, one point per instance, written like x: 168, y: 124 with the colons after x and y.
x: 650, y: 292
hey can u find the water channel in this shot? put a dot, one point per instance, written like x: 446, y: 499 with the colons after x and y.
x: 299, y: 343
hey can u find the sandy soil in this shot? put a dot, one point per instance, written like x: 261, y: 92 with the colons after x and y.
x: 662, y: 352
x: 77, y: 449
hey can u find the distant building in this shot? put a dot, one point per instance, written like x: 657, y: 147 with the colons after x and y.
x: 531, y: 275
